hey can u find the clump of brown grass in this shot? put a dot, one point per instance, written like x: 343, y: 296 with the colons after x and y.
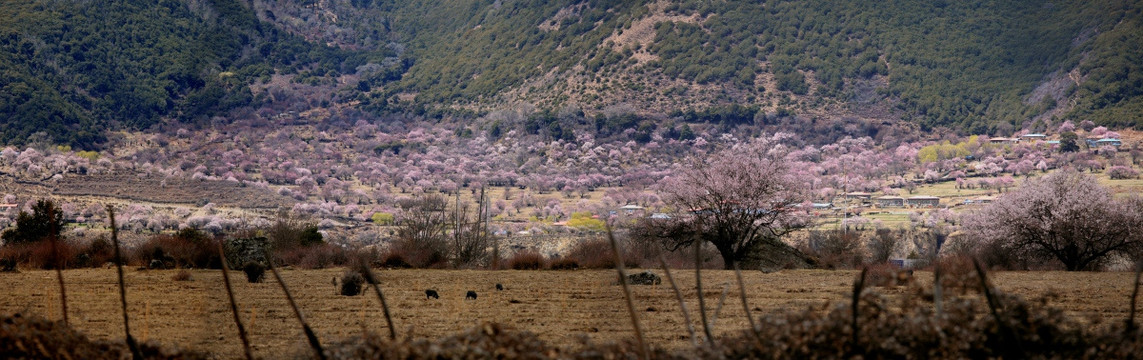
x: 33, y: 337
x: 526, y: 260
x: 393, y: 260
x: 597, y: 254
x: 182, y: 275
x: 40, y: 254
x: 563, y: 263
x: 318, y: 256
x: 488, y: 340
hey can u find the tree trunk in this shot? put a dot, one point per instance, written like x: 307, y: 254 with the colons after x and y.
x: 728, y: 257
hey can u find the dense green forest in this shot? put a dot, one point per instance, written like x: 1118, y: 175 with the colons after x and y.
x: 75, y: 69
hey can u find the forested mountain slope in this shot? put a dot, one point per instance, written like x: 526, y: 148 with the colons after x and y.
x: 75, y: 69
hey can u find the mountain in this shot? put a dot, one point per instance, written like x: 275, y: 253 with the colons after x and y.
x: 76, y: 69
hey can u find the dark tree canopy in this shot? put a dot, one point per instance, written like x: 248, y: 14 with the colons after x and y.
x: 45, y: 220
x: 1068, y: 142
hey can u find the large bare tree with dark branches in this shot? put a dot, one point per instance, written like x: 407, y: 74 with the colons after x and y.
x: 742, y: 200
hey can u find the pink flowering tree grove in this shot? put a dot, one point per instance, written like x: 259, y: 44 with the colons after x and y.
x: 1066, y: 217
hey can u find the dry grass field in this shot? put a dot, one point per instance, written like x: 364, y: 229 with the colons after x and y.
x: 563, y: 307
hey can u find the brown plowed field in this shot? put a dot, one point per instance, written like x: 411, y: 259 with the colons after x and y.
x: 560, y: 306
x: 156, y: 189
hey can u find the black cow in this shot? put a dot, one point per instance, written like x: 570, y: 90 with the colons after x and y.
x: 430, y: 293
x: 499, y: 287
x: 471, y: 295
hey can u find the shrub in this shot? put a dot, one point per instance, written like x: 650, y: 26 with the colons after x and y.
x: 597, y: 254
x: 255, y: 271
x: 189, y: 248
x: 835, y: 249
x: 583, y: 220
x: 310, y: 236
x: 351, y: 283
x: 316, y: 257
x: 526, y: 260
x: 393, y: 260
x: 246, y: 249
x: 34, y: 337
x: 39, y: 255
x: 563, y: 263
x: 183, y: 275
x: 432, y: 256
x: 882, y: 245
x: 289, y: 233
x: 1119, y: 172
x: 8, y: 265
x: 381, y: 218
x: 99, y: 251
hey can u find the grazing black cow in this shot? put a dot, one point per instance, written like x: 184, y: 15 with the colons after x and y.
x: 499, y: 287
x: 471, y: 295
x: 430, y: 293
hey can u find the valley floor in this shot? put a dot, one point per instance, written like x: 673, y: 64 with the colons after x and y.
x: 562, y: 307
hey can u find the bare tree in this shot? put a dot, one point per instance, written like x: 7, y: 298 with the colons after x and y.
x: 1064, y: 216
x: 470, y: 237
x: 422, y: 228
x: 882, y: 245
x: 742, y: 200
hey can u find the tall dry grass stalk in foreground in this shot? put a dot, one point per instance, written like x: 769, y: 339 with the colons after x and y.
x: 310, y: 335
x: 58, y: 263
x: 682, y: 304
x: 721, y: 302
x: 369, y: 278
x: 234, y: 305
x: 643, y: 353
x: 1134, y: 296
x: 938, y: 290
x: 858, y: 286
x: 745, y: 304
x: 131, y: 344
x: 994, y: 307
x: 698, y: 287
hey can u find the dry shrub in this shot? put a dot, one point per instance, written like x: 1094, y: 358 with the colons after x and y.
x: 316, y: 256
x: 563, y: 263
x: 255, y: 271
x: 8, y: 265
x: 911, y: 329
x: 100, y: 251
x: 351, y: 283
x: 189, y: 248
x: 526, y: 260
x: 597, y: 254
x: 883, y: 244
x: 182, y: 275
x: 421, y: 257
x: 885, y: 330
x: 958, y: 275
x: 40, y: 254
x: 393, y: 260
x: 885, y: 275
x: 835, y: 249
x: 488, y: 340
x: 684, y: 258
x: 33, y: 337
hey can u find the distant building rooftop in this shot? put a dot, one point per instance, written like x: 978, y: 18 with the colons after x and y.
x: 924, y: 197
